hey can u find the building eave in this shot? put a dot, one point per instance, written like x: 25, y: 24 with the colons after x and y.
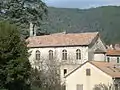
x: 58, y: 46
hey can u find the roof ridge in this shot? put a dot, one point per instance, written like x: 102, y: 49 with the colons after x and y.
x: 66, y: 34
x: 70, y: 39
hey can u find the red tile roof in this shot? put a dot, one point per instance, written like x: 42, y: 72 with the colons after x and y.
x: 109, y: 68
x: 62, y: 39
x: 113, y: 52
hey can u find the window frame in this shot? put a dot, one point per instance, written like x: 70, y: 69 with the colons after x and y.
x: 88, y: 72
x: 79, y: 87
x: 78, y: 54
x: 37, y: 55
x: 64, y: 54
x: 118, y: 60
x: 50, y: 54
x: 108, y: 59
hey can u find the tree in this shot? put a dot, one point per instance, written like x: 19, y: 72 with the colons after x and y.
x: 14, y: 64
x: 23, y: 12
x: 46, y: 74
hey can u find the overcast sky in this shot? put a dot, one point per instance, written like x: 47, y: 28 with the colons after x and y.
x: 81, y: 3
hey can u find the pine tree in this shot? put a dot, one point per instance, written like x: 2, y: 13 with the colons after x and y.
x: 23, y: 12
x: 14, y: 64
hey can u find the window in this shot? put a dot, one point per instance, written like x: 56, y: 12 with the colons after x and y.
x: 108, y: 59
x: 118, y: 60
x: 65, y: 71
x: 79, y: 87
x: 37, y: 55
x: 64, y: 55
x: 78, y: 54
x: 116, y: 87
x: 88, y: 72
x: 50, y: 55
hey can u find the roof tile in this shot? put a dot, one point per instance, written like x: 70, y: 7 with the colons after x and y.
x: 110, y: 68
x: 113, y: 52
x: 62, y: 39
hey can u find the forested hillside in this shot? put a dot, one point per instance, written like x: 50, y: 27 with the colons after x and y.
x: 105, y: 20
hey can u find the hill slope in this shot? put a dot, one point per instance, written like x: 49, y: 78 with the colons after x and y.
x: 105, y: 20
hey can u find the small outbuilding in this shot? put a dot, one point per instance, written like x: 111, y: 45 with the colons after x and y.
x: 113, y: 56
x: 94, y: 75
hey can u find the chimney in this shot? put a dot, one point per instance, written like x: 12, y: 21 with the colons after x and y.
x: 33, y: 29
x: 111, y: 47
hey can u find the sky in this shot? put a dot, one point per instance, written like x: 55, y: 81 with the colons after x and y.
x: 82, y: 4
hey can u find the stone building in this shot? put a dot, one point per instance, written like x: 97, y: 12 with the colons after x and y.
x: 113, y: 56
x: 94, y: 75
x: 68, y: 49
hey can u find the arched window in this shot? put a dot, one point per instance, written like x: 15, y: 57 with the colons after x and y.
x: 78, y: 54
x: 37, y: 55
x: 50, y: 55
x: 118, y: 60
x: 64, y: 55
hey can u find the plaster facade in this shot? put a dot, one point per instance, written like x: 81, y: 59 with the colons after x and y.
x: 87, y: 54
x: 96, y: 79
x: 113, y: 59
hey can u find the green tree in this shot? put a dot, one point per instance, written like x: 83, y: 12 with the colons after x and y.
x: 14, y: 64
x: 23, y: 12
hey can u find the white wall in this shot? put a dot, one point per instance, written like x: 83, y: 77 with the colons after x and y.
x: 69, y: 68
x: 99, y: 57
x: 113, y: 59
x: 97, y: 44
x: 69, y: 64
x: 71, y: 51
x: 97, y: 77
